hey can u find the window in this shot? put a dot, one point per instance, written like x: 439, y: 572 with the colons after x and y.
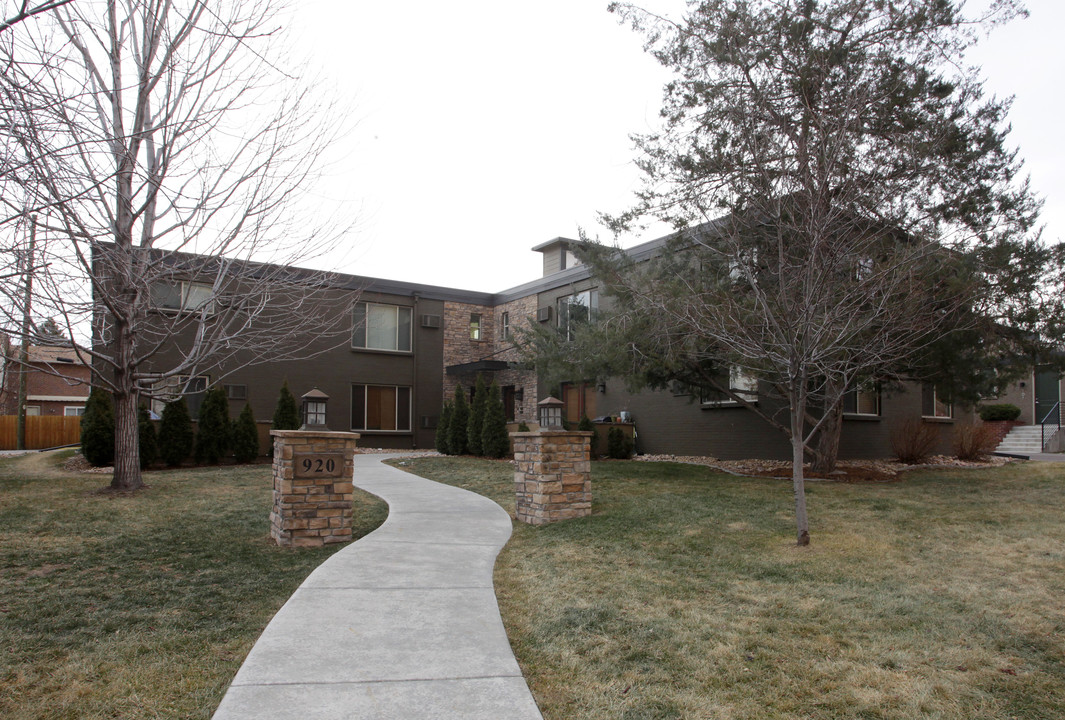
x: 33, y: 410
x: 569, y: 259
x: 73, y: 410
x: 236, y: 392
x: 864, y: 400
x: 740, y: 382
x: 382, y: 327
x: 933, y: 405
x: 504, y: 325
x: 576, y: 309
x: 380, y: 407
x: 475, y: 326
x: 182, y: 296
x: 171, y: 388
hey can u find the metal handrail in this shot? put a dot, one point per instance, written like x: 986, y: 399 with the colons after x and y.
x: 1054, y: 425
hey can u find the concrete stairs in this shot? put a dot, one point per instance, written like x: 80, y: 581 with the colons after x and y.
x: 1022, y: 440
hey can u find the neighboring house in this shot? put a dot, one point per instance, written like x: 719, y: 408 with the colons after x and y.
x: 412, y: 345
x: 57, y: 382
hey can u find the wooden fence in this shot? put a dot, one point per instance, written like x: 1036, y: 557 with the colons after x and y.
x: 42, y: 431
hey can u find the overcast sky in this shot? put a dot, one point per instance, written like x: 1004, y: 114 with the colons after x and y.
x: 485, y: 127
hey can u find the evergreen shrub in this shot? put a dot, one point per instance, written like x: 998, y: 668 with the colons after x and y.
x: 286, y: 414
x: 460, y: 418
x: 175, y: 433
x: 215, y: 431
x: 149, y: 445
x: 475, y: 423
x: 999, y: 412
x: 98, y: 429
x: 443, y: 427
x: 245, y: 436
x: 495, y: 441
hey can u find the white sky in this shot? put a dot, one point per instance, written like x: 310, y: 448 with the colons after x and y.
x: 485, y: 127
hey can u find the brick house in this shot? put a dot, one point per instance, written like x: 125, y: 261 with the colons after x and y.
x: 57, y: 382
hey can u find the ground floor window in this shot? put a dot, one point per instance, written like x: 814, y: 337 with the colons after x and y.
x: 380, y: 407
x: 73, y: 410
x: 171, y: 388
x: 740, y: 382
x: 934, y: 405
x: 33, y: 410
x: 863, y: 400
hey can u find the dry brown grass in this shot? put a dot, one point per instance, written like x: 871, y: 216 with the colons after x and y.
x: 683, y: 596
x: 137, y: 605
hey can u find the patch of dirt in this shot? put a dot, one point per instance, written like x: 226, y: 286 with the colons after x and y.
x: 850, y: 471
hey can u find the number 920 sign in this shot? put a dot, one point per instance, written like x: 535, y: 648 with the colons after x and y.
x: 319, y: 465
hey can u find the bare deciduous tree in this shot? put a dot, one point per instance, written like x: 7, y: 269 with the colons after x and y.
x: 162, y: 146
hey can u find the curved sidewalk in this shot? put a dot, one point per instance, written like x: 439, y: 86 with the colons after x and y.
x: 400, y: 624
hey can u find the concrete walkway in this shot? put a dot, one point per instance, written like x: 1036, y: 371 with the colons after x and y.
x: 401, y: 624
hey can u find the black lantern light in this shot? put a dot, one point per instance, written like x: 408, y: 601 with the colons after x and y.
x: 314, y: 410
x: 550, y: 413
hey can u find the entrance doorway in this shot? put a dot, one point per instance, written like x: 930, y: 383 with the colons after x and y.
x: 1047, y: 392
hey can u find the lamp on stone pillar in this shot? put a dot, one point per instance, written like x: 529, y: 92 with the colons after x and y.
x: 550, y: 413
x: 313, y: 411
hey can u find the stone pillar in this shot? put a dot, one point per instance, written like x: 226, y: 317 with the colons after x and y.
x: 313, y: 473
x: 552, y: 475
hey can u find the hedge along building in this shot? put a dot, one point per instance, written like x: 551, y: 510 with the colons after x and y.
x: 408, y: 346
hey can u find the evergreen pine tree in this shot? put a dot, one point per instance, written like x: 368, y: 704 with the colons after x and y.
x: 494, y: 437
x: 213, y: 437
x: 475, y: 423
x: 586, y: 425
x: 245, y: 436
x: 175, y: 433
x: 286, y: 414
x: 149, y: 446
x: 98, y: 429
x: 443, y: 429
x: 460, y: 417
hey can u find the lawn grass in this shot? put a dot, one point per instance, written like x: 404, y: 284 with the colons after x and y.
x: 140, y: 605
x: 684, y: 596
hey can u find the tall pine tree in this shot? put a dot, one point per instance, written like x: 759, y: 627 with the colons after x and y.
x: 475, y: 424
x: 460, y: 418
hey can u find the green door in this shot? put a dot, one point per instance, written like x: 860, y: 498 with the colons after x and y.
x: 1046, y: 393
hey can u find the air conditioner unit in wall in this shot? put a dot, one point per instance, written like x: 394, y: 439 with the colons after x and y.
x: 430, y: 321
x: 543, y: 314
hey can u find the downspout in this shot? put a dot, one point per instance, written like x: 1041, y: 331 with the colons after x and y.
x: 415, y: 322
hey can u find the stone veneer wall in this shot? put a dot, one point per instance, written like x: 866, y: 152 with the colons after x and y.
x: 552, y: 475
x: 459, y: 349
x: 312, y: 507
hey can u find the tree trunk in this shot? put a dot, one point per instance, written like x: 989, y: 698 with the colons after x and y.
x: 797, y: 481
x: 828, y: 441
x: 127, y: 449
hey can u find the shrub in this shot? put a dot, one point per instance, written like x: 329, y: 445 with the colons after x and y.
x: 913, y: 440
x: 286, y: 414
x: 443, y: 426
x: 1002, y: 411
x: 586, y: 425
x: 213, y: 438
x: 460, y: 418
x: 245, y: 436
x: 149, y: 446
x: 175, y: 433
x: 972, y: 442
x: 523, y: 427
x: 618, y: 444
x: 475, y: 422
x: 495, y: 441
x: 98, y: 429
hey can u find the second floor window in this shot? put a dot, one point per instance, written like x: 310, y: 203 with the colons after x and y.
x: 182, y: 296
x: 504, y: 324
x: 382, y: 327
x: 576, y: 309
x: 475, y: 326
